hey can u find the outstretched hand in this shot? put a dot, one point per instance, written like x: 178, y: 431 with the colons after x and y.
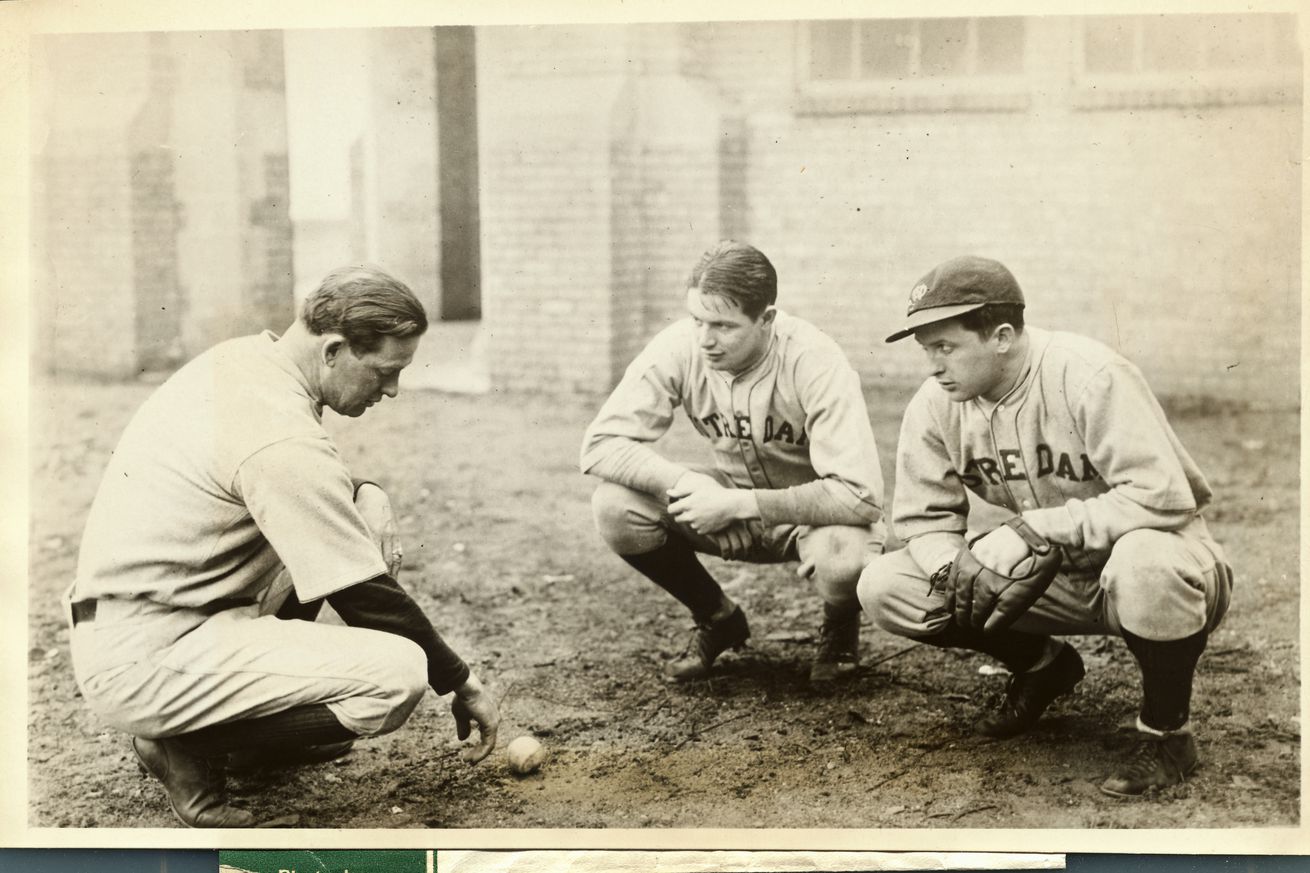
x: 473, y: 705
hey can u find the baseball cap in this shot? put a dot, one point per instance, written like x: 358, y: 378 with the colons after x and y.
x: 955, y: 287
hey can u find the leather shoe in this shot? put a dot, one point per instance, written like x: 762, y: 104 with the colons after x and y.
x: 1155, y: 762
x: 194, y: 784
x: 1028, y: 695
x: 711, y: 640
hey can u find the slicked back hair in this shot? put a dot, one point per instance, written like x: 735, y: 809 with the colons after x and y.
x: 986, y: 319
x: 364, y: 304
x: 739, y: 272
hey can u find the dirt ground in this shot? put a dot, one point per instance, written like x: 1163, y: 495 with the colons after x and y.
x: 502, y: 554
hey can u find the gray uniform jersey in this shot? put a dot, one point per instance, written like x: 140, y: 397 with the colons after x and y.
x: 794, y: 428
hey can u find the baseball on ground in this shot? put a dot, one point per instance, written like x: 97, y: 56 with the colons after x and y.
x: 525, y: 755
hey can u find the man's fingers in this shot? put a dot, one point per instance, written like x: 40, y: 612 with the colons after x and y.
x: 806, y: 569
x: 463, y: 722
x: 486, y: 742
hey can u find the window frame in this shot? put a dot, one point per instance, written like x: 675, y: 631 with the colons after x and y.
x: 970, y: 91
x: 1199, y: 86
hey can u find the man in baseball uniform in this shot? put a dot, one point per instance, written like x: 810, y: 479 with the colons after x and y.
x: 1065, y: 434
x: 225, y: 518
x: 795, y: 474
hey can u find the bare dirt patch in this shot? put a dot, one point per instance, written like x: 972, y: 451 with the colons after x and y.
x: 502, y: 554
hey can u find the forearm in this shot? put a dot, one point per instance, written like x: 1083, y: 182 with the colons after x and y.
x: 381, y: 604
x: 632, y: 464
x: 1096, y: 524
x: 817, y: 503
x: 932, y: 551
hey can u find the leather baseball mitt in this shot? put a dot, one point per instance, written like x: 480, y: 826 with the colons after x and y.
x: 986, y: 599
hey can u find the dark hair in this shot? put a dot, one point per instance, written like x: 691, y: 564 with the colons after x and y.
x: 364, y: 304
x: 738, y: 272
x: 986, y: 319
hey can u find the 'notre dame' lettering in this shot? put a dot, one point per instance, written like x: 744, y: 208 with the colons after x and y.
x: 739, y: 427
x: 1010, y: 468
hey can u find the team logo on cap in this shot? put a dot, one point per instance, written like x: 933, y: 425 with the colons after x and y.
x: 917, y: 294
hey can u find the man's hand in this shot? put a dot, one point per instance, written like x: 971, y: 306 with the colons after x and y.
x: 707, y: 507
x: 1002, y: 551
x: 735, y: 541
x: 473, y: 704
x: 375, y: 506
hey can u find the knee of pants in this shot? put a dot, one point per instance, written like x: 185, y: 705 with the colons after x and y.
x: 398, y: 689
x: 625, y: 521
x: 883, y: 591
x: 1159, y: 586
x: 837, y: 577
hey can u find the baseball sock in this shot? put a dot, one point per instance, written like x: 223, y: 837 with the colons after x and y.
x: 311, y: 725
x: 841, y: 613
x: 675, y: 568
x: 1167, y: 670
x: 1019, y: 652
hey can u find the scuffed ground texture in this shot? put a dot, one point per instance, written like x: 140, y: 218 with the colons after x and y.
x: 502, y: 554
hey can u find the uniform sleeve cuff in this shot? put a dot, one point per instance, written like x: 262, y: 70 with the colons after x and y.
x: 1056, y: 524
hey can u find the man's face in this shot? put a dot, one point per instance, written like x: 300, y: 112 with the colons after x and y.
x: 962, y: 362
x: 353, y: 382
x: 728, y: 338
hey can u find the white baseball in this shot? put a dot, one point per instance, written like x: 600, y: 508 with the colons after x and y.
x: 525, y: 755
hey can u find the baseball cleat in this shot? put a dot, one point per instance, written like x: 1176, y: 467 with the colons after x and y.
x: 1028, y: 695
x: 194, y: 784
x: 711, y: 640
x: 1155, y: 762
x: 838, y: 653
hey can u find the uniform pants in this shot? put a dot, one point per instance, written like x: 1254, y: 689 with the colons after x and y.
x: 1158, y: 585
x: 632, y: 523
x: 154, y: 671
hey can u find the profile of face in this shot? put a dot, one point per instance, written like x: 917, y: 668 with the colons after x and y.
x: 353, y: 382
x: 728, y: 339
x: 965, y: 364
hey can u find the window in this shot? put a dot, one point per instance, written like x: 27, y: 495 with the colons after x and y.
x: 914, y: 64
x: 1187, y: 60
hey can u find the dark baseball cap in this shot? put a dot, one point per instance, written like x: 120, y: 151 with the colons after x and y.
x: 955, y: 287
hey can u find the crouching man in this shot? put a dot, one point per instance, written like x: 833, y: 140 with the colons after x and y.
x: 225, y: 518
x: 1065, y: 435
x: 795, y: 475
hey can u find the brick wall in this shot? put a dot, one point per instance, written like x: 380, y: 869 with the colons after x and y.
x: 598, y: 187
x: 163, y: 179
x: 1170, y: 233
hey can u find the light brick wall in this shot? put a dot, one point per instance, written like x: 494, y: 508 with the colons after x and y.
x: 1172, y: 234
x: 599, y: 185
x: 164, y: 221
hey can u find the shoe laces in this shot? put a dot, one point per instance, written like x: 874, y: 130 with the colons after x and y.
x: 1144, y: 758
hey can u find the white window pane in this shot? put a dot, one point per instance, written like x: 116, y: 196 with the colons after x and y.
x: 830, y: 49
x: 885, y: 48
x: 944, y: 47
x: 1000, y: 45
x: 1108, y: 44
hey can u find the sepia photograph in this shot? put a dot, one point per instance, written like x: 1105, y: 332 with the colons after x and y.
x: 702, y: 429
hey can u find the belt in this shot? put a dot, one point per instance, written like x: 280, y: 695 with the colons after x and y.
x: 85, y: 610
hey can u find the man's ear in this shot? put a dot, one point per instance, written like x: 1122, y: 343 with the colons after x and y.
x: 768, y: 314
x: 1004, y: 336
x: 331, y: 346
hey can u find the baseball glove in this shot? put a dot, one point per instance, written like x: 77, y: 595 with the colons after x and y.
x: 985, y: 599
